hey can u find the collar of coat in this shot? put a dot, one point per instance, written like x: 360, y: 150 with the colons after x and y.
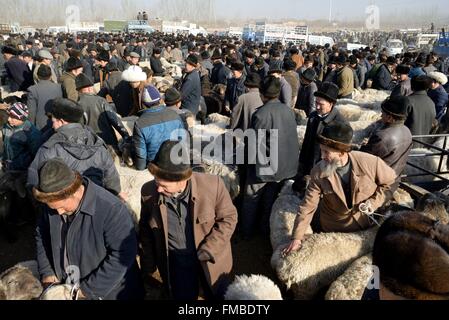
x: 193, y: 191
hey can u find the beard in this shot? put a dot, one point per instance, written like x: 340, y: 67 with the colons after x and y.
x: 328, y: 169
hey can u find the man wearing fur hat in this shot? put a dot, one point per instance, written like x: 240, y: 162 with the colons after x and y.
x: 185, y: 228
x: 99, y: 115
x: 220, y: 73
x: 325, y: 100
x: 127, y: 94
x: 78, y: 146
x: 191, y: 85
x: 235, y: 87
x: 345, y: 78
x: 74, y: 67
x: 173, y: 102
x: 274, y: 160
x: 341, y: 185
x: 156, y: 64
x: 383, y: 79
x: 306, y: 98
x: 437, y: 93
x: 392, y: 141
x: 85, y: 236
x: 155, y: 125
x: 404, y: 86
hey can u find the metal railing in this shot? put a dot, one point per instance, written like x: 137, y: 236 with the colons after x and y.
x: 441, y: 152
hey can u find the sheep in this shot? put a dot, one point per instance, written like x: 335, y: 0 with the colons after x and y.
x: 229, y: 175
x: 301, y: 130
x: 352, y: 284
x: 174, y: 70
x: 254, y: 287
x: 19, y: 283
x: 370, y: 98
x: 404, y: 199
x: 58, y: 292
x: 355, y: 113
x: 218, y: 120
x: 363, y: 131
x: 435, y: 206
x: 301, y: 117
x: 322, y: 259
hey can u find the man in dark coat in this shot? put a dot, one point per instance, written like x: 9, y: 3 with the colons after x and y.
x: 421, y: 113
x: 20, y: 76
x: 85, y: 237
x: 40, y: 98
x: 191, y: 86
x: 271, y: 160
x: 326, y: 98
x: 306, y: 97
x: 156, y: 64
x: 220, y: 73
x: 392, y: 141
x: 437, y: 93
x: 383, y: 79
x: 78, y: 146
x: 98, y: 114
x: 404, y: 87
x: 236, y: 86
x: 185, y: 229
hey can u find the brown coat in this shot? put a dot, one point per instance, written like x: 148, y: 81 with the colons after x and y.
x: 299, y: 59
x: 371, y: 179
x: 69, y: 86
x: 214, y: 218
x: 345, y: 81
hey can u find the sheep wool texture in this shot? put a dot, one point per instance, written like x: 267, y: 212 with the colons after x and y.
x: 254, y: 287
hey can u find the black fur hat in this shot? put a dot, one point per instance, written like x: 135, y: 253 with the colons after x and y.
x: 67, y: 110
x: 166, y: 168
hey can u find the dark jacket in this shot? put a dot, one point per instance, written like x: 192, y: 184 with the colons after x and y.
x: 101, y: 242
x: 82, y: 151
x: 20, y: 145
x: 123, y: 96
x: 220, y: 74
x: 214, y: 218
x: 156, y: 66
x: 391, y: 143
x: 40, y: 99
x: 275, y: 115
x: 306, y: 98
x: 383, y: 79
x: 207, y: 64
x: 310, y: 152
x: 440, y: 98
x: 151, y: 130
x: 102, y: 119
x: 404, y: 88
x: 244, y: 110
x: 421, y: 114
x: 21, y: 77
x: 191, y: 92
x: 109, y: 85
x: 234, y: 89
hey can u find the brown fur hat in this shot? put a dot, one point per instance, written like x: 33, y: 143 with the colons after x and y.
x: 411, y: 251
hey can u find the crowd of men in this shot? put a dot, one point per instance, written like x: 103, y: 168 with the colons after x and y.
x: 59, y: 136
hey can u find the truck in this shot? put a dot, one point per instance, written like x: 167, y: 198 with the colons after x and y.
x: 115, y: 26
x: 139, y: 26
x: 394, y: 47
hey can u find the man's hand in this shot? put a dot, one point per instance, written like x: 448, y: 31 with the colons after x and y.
x: 295, y: 245
x: 48, y: 281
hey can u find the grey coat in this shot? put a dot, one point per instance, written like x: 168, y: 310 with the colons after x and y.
x: 40, y: 98
x: 286, y: 93
x: 306, y: 98
x: 282, y: 165
x: 243, y: 112
x: 82, y: 151
x: 404, y: 88
x: 191, y: 92
x: 421, y: 114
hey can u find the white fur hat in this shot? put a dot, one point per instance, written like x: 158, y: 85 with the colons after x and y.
x: 439, y: 77
x: 134, y: 74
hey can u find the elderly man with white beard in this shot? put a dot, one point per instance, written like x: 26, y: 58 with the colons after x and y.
x: 342, y: 185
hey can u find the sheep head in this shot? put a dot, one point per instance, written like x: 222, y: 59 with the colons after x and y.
x: 435, y: 206
x: 18, y: 283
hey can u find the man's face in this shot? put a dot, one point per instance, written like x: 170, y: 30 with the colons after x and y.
x: 56, y: 123
x: 135, y: 84
x: 323, y: 107
x: 249, y: 61
x: 134, y: 60
x: 65, y: 207
x: 330, y: 155
x: 189, y: 68
x: 46, y: 62
x: 237, y: 74
x: 28, y: 59
x: 168, y: 188
x: 93, y: 53
x: 7, y: 56
x: 13, y: 122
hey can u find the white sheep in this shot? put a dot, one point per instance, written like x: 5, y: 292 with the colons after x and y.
x: 352, y: 284
x: 355, y: 113
x: 363, y: 130
x: 321, y: 260
x: 301, y: 130
x: 219, y: 120
x: 59, y: 292
x: 254, y: 287
x: 370, y: 98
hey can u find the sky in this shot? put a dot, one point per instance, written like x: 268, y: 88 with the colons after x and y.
x: 319, y: 9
